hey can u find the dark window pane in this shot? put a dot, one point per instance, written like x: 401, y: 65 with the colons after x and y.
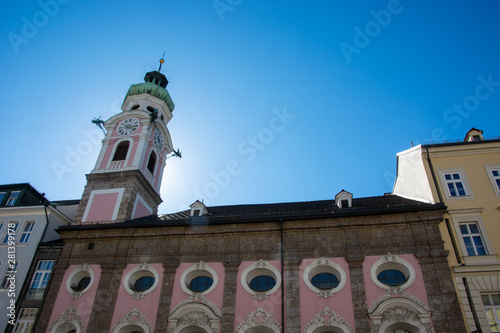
x: 262, y: 283
x: 152, y: 162
x: 201, y: 283
x: 325, y: 281
x: 392, y: 277
x: 121, y: 151
x: 144, y: 283
x: 82, y: 284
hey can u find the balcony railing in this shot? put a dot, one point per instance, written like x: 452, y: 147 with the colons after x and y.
x: 116, y: 164
x: 35, y: 293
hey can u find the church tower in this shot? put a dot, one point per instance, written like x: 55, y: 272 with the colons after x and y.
x: 125, y: 182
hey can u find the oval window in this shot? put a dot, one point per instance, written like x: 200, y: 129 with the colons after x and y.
x: 201, y: 283
x: 325, y: 281
x: 143, y: 283
x: 392, y: 277
x: 82, y: 284
x: 262, y: 283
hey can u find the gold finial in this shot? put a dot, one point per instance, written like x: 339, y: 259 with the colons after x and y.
x: 161, y: 61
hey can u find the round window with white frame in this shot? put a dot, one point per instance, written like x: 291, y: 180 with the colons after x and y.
x: 80, y: 280
x: 199, y: 279
x: 141, y: 280
x: 324, y: 277
x: 392, y: 271
x: 261, y: 279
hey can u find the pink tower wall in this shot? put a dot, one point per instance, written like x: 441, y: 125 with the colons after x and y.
x: 83, y: 304
x: 311, y: 304
x: 148, y: 305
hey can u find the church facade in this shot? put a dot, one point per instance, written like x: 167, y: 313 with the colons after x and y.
x: 345, y: 264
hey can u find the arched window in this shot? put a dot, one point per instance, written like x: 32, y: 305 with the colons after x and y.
x: 121, y: 151
x: 152, y: 162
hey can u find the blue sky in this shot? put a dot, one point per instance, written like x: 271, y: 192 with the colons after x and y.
x: 275, y: 100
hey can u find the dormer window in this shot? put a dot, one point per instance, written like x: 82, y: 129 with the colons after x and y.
x: 474, y: 135
x: 198, y: 209
x: 343, y: 199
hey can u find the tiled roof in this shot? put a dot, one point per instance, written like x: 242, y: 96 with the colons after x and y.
x: 359, y: 205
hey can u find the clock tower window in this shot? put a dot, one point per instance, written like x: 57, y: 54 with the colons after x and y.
x: 121, y: 151
x: 152, y: 162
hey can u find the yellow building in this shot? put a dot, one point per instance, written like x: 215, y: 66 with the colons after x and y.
x: 465, y: 176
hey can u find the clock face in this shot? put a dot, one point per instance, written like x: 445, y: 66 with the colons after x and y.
x: 158, y: 139
x: 128, y: 126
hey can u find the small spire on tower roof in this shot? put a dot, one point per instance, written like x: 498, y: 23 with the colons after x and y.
x: 161, y: 61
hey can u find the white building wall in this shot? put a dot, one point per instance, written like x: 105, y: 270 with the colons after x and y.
x: 411, y: 181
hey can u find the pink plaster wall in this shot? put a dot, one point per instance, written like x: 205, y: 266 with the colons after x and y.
x: 148, y: 305
x: 107, y: 154
x: 246, y: 303
x: 131, y: 155
x: 311, y: 304
x: 141, y: 210
x: 215, y: 296
x: 82, y: 304
x: 417, y: 289
x: 102, y: 207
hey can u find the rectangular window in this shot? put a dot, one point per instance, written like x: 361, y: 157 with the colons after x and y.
x: 28, y: 228
x: 2, y: 195
x: 496, y: 177
x: 11, y: 270
x: 491, y: 304
x: 493, y: 172
x: 25, y: 320
x: 473, y: 240
x: 40, y: 279
x: 455, y: 184
x: 14, y: 195
x: 10, y: 230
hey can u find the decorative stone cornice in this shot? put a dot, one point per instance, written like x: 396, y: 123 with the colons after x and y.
x: 70, y: 315
x: 327, y: 317
x: 134, y: 317
x: 396, y: 291
x: 259, y: 317
x: 198, y: 298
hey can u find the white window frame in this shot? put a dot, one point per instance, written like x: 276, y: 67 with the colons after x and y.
x: 459, y: 219
x: 5, y: 236
x: 7, y: 274
x: 489, y: 171
x: 41, y: 283
x: 10, y: 197
x: 463, y: 179
x: 493, y: 307
x: 26, y: 320
x: 27, y: 233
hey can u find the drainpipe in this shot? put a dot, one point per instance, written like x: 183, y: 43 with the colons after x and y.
x: 472, y: 306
